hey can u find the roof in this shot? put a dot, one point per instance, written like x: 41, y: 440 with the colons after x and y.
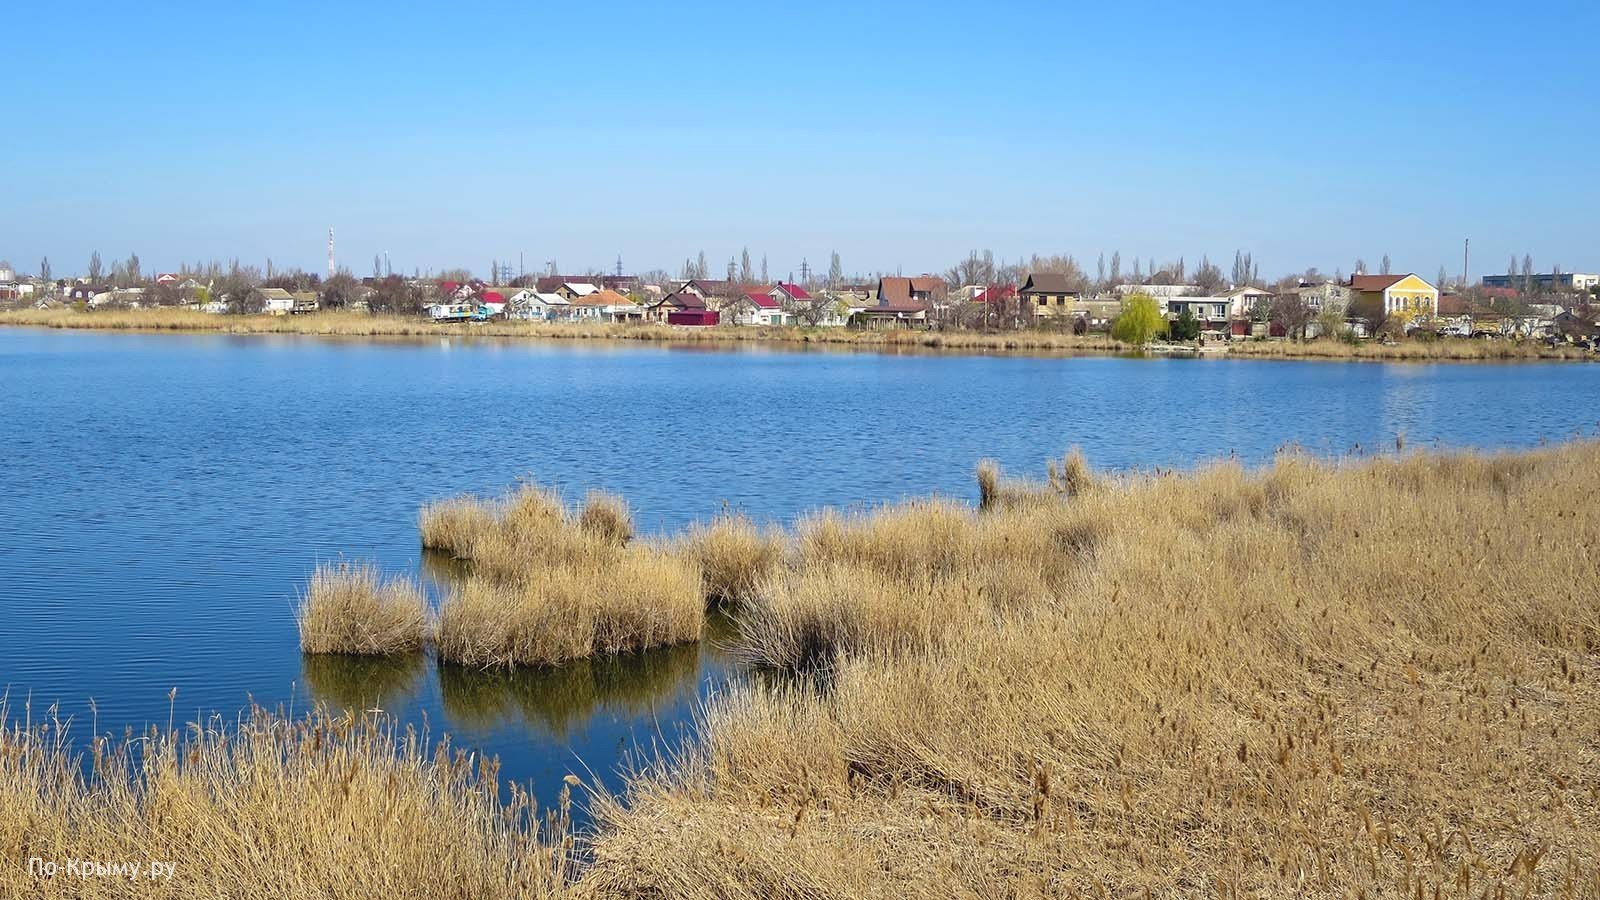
x: 1047, y: 283
x: 492, y: 297
x: 794, y: 290
x: 1453, y: 305
x: 764, y: 301
x: 1375, y: 282
x: 894, y: 292
x: 275, y: 293
x: 681, y: 299
x: 581, y: 288
x: 550, y: 299
x: 604, y: 297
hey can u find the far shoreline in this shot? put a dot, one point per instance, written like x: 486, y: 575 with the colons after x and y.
x: 1028, y: 342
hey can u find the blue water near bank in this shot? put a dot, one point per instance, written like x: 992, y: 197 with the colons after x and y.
x: 163, y: 497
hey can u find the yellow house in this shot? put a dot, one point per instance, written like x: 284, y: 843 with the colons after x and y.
x: 1406, y: 298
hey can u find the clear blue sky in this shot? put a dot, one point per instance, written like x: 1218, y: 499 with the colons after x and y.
x: 901, y: 135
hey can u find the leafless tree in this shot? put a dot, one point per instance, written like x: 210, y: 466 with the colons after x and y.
x: 1384, y: 265
x: 95, y: 270
x: 1207, y: 276
x: 1289, y: 311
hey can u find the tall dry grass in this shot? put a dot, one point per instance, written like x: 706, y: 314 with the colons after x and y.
x: 350, y: 608
x: 547, y: 585
x: 734, y: 557
x: 1372, y: 679
x: 1441, y: 350
x: 325, y: 806
x: 633, y: 599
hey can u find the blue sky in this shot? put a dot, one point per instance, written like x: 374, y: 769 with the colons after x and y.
x: 900, y: 135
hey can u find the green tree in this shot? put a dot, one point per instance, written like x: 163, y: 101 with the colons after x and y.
x: 1186, y: 327
x: 1140, y: 320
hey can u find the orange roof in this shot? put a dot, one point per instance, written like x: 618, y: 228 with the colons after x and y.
x: 604, y: 297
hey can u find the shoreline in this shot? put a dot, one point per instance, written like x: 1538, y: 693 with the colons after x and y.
x: 360, y: 325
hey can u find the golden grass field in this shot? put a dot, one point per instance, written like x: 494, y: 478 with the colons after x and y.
x: 341, y: 324
x: 1376, y: 677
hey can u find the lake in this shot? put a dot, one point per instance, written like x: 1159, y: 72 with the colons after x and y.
x: 164, y: 497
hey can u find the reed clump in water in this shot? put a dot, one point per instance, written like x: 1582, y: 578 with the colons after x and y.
x: 1314, y: 680
x: 350, y: 608
x: 734, y: 557
x: 269, y: 807
x: 547, y: 585
x: 629, y: 599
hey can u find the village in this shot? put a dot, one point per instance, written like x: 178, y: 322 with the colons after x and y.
x: 1554, y: 307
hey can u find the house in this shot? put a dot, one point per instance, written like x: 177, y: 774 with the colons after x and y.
x: 492, y: 301
x: 167, y: 278
x: 1321, y: 295
x: 572, y: 290
x: 787, y: 294
x: 10, y: 287
x: 1047, y: 295
x: 92, y: 295
x: 902, y: 301
x: 1213, y: 313
x: 1454, y: 315
x: 605, y: 305
x: 1244, y: 301
x: 537, y: 306
x: 279, y: 302
x: 755, y: 308
x: 1407, y: 298
x: 676, y: 302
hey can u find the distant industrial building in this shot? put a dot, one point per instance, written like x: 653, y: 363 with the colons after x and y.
x: 1561, y: 281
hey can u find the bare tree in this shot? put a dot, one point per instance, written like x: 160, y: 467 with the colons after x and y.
x: 44, y: 269
x: 95, y: 270
x: 1207, y: 276
x: 835, y: 270
x: 1116, y: 267
x: 746, y: 274
x: 1290, y: 312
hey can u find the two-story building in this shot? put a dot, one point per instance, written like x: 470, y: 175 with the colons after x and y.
x: 1407, y: 298
x: 1049, y: 295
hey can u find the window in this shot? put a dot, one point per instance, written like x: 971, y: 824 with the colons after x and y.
x: 1044, y: 301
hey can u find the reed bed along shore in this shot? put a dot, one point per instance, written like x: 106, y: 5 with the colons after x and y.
x: 1317, y: 680
x: 1438, y: 350
x: 342, y: 324
x: 1376, y: 678
x: 269, y: 807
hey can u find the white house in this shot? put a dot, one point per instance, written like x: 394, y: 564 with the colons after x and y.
x: 538, y: 306
x: 1241, y: 301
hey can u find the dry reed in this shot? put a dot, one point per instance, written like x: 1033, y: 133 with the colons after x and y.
x: 269, y: 807
x: 1316, y: 680
x: 349, y: 608
x: 734, y: 557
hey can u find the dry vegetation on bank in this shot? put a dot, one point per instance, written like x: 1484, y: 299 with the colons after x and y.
x: 323, y: 807
x: 1377, y: 678
x: 342, y: 324
x: 1371, y: 678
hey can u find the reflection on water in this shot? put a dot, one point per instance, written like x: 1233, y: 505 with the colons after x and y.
x: 561, y: 699
x: 359, y: 683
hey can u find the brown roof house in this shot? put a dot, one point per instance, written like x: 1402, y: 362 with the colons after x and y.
x: 1049, y: 295
x: 904, y: 301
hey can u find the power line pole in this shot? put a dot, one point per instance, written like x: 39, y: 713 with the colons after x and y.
x: 1466, y: 255
x: 330, y: 251
x: 805, y: 271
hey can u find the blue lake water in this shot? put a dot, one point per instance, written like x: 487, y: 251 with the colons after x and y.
x: 163, y: 497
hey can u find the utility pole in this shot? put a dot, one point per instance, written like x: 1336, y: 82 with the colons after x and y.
x: 805, y: 271
x: 619, y: 265
x: 1466, y: 256
x: 330, y: 252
